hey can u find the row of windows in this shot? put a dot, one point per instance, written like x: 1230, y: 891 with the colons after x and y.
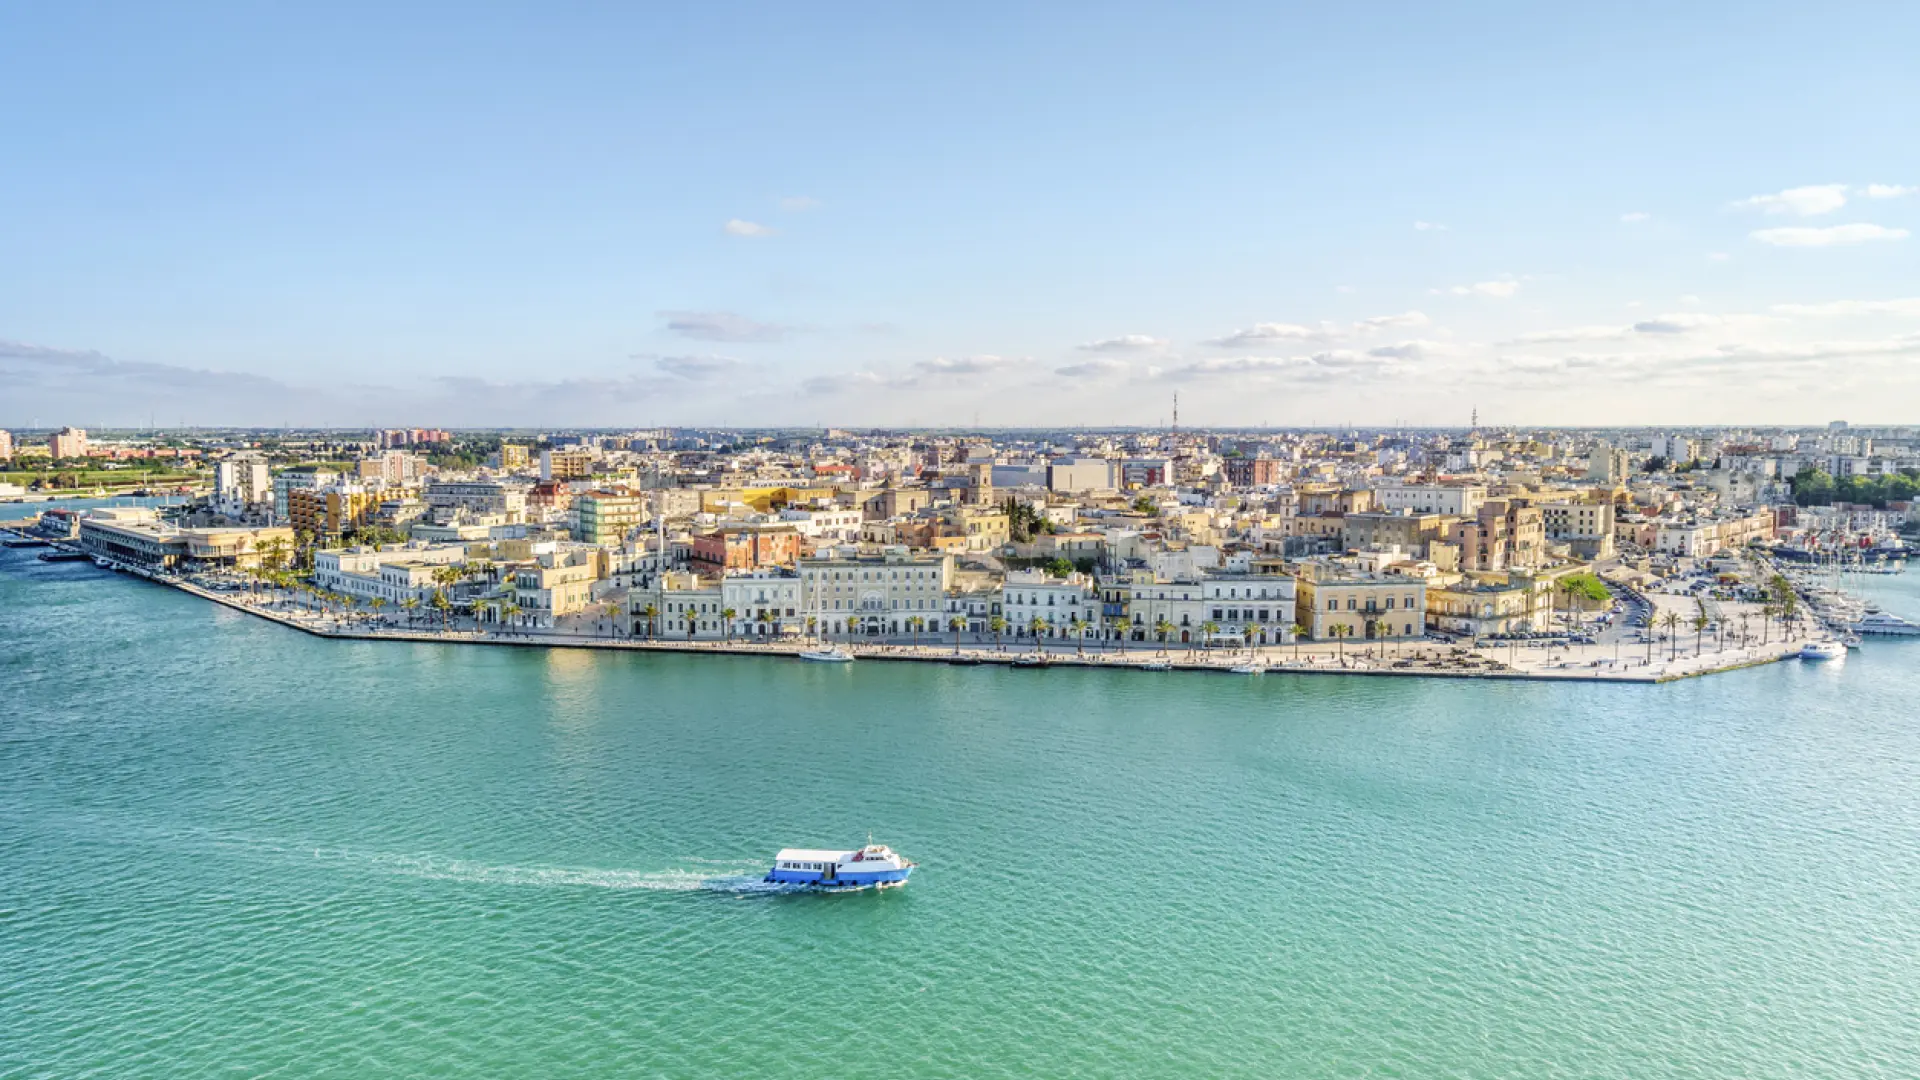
x: 1233, y: 614
x: 1333, y: 603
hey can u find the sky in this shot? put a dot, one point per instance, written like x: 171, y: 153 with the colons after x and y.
x: 629, y: 215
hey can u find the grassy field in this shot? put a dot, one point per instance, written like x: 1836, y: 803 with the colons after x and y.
x: 91, y: 478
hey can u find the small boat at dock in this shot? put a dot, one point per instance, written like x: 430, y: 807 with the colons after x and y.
x: 63, y: 556
x: 833, y: 654
x: 1252, y: 667
x: 1824, y: 650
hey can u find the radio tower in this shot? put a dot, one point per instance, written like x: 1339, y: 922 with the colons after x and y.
x: 1176, y: 412
x: 1476, y: 418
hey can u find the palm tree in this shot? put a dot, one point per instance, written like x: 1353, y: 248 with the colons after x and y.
x: 376, y: 604
x: 813, y: 626
x: 726, y: 622
x: 410, y: 603
x: 956, y: 624
x: 998, y: 625
x: 1207, y: 630
x: 444, y: 606
x: 853, y: 627
x: 1340, y: 632
x: 1570, y: 589
x: 1671, y: 620
x: 1037, y: 625
x: 508, y: 611
x: 613, y: 619
x: 474, y: 608
x: 914, y: 624
x: 1247, y: 632
x: 652, y: 615
x: 766, y: 623
x: 1699, y: 630
x: 1078, y: 627
x: 1165, y: 629
x: 1298, y: 631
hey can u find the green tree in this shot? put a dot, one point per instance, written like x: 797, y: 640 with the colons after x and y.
x: 1078, y: 627
x: 1207, y: 630
x: 1163, y: 628
x: 1038, y: 626
x: 957, y: 625
x: 1298, y: 631
x: 652, y: 615
x: 726, y: 623
x: 998, y: 625
x: 1671, y: 620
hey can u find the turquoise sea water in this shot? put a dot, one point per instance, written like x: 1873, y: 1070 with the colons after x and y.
x: 227, y: 849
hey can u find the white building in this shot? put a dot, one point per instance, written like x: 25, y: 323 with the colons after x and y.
x: 239, y: 482
x: 1080, y: 474
x: 395, y: 575
x: 829, y: 524
x: 1458, y: 499
x: 1263, y: 603
x: 478, y: 497
x: 1056, y: 602
x: 881, y: 591
x: 765, y: 603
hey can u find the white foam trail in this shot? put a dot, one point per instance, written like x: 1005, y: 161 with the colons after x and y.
x: 460, y: 870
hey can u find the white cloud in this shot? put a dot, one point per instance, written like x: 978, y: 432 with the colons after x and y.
x: 1909, y: 306
x: 1830, y: 236
x: 1096, y: 368
x: 1675, y: 324
x: 840, y: 383
x: 1500, y: 289
x: 963, y: 365
x: 1408, y: 350
x: 1809, y: 201
x: 1891, y: 191
x: 721, y: 326
x: 737, y: 227
x: 1273, y: 331
x: 1428, y: 226
x: 1635, y: 217
x: 1689, y: 298
x: 698, y: 368
x: 1404, y: 318
x: 1125, y: 343
x: 797, y: 203
x: 1572, y: 333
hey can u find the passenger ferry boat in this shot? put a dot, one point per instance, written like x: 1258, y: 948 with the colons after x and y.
x: 875, y: 865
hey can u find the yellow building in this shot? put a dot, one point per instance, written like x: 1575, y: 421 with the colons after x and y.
x: 515, y: 457
x: 1480, y: 605
x: 544, y: 593
x: 328, y: 512
x: 1369, y: 607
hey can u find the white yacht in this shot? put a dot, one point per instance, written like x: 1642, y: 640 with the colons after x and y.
x: 832, y: 654
x: 1824, y: 650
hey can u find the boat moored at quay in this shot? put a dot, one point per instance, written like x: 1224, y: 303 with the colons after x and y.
x: 873, y: 866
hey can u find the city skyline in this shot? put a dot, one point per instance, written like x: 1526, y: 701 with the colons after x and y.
x: 1292, y: 219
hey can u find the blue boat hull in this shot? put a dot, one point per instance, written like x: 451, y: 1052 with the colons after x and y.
x: 844, y: 880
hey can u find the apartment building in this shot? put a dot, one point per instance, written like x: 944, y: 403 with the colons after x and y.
x: 1056, y: 603
x: 607, y: 517
x: 1364, y: 606
x: 1262, y: 603
x: 879, y: 590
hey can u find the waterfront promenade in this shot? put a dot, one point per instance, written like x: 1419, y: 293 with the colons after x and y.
x: 1414, y: 658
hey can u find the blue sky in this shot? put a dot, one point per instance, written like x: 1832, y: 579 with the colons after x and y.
x: 1024, y: 214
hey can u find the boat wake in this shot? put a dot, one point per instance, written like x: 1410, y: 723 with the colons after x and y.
x: 675, y: 880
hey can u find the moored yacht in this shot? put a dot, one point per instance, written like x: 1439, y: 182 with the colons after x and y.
x: 1824, y: 650
x: 875, y: 865
x: 831, y: 654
